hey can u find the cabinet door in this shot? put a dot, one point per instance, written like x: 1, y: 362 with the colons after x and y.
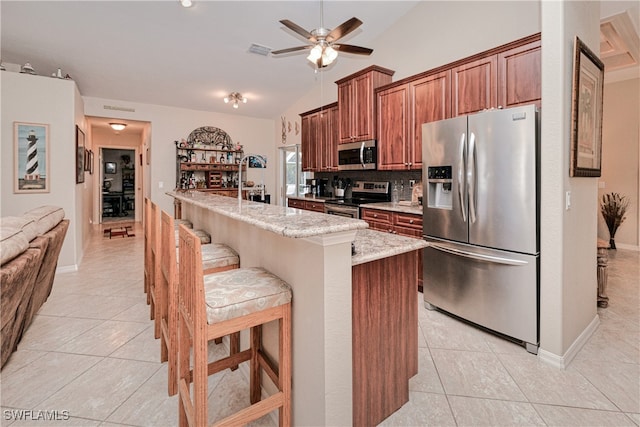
x: 519, y: 76
x: 346, y: 109
x: 475, y: 86
x: 362, y: 108
x: 393, y: 128
x: 328, y: 147
x: 309, y: 142
x: 314, y: 206
x: 430, y: 102
x: 295, y: 203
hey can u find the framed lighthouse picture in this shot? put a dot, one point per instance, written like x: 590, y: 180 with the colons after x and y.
x: 31, y: 165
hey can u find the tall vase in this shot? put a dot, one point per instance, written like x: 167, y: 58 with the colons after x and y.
x: 612, y: 243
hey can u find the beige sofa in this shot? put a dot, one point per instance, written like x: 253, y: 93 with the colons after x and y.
x: 29, y: 248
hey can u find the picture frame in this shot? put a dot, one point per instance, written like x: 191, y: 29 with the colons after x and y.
x: 90, y: 162
x: 258, y: 161
x: 110, y: 167
x: 87, y: 153
x: 79, y: 155
x: 586, y: 112
x: 31, y: 157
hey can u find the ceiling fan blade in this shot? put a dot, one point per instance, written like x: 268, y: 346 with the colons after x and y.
x: 290, y: 49
x: 348, y: 48
x: 343, y: 29
x: 298, y: 29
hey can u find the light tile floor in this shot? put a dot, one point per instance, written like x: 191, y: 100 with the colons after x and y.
x: 91, y: 352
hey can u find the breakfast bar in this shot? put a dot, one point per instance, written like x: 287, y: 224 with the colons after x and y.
x: 354, y: 317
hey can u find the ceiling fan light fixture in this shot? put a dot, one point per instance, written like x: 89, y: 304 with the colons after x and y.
x: 117, y: 126
x: 315, y: 54
x: 329, y: 55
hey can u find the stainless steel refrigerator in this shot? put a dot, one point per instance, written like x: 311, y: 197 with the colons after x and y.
x: 481, y: 220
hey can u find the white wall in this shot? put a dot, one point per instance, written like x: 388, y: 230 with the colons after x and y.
x: 170, y: 123
x: 38, y: 99
x: 620, y: 157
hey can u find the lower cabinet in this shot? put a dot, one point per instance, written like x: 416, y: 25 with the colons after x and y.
x: 404, y: 224
x: 308, y: 205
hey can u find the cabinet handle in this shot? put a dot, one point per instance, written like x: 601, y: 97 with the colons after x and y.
x: 375, y: 215
x: 410, y: 221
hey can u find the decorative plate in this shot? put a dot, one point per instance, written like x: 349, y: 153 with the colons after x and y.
x: 209, y: 135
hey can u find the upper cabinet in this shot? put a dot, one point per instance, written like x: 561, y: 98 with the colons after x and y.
x: 356, y: 103
x: 320, y: 139
x: 475, y: 86
x: 519, y: 76
x: 503, y: 77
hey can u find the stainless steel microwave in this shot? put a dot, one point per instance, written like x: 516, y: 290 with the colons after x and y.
x: 357, y: 156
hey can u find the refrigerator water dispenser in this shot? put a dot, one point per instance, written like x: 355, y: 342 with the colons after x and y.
x: 439, y: 184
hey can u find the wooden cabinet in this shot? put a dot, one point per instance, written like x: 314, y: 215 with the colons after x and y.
x: 309, y: 141
x: 320, y: 139
x: 309, y: 205
x: 401, y: 112
x: 519, y: 76
x: 356, y: 103
x: 404, y: 224
x: 474, y: 86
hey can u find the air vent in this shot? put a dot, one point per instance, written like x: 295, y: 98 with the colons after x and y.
x: 259, y: 49
x: 117, y: 108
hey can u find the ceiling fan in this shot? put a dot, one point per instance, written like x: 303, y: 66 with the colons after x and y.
x: 323, y: 47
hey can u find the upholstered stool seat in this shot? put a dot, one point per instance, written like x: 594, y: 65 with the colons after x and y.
x: 243, y: 291
x: 203, y: 235
x: 185, y: 222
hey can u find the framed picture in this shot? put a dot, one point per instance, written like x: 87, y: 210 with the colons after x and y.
x: 31, y: 161
x: 79, y: 156
x: 110, y: 167
x: 87, y: 153
x: 257, y: 161
x: 90, y: 162
x: 586, y: 112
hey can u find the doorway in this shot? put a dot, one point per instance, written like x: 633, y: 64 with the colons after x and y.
x: 292, y: 176
x: 118, y: 185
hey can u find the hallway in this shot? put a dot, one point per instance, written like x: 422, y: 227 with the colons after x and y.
x: 90, y: 355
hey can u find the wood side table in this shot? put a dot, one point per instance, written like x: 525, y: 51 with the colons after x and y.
x: 603, y: 260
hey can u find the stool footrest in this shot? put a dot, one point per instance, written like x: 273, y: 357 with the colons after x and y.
x: 253, y: 412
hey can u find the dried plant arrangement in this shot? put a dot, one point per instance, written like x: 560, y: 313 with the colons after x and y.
x: 613, y: 208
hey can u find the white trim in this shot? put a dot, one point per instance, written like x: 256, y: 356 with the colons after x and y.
x: 67, y: 269
x: 562, y: 362
x: 627, y: 246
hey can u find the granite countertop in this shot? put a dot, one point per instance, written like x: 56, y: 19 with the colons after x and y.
x: 395, y: 207
x: 288, y: 222
x: 372, y: 245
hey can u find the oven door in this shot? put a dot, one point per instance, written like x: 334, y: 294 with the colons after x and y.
x: 341, y: 210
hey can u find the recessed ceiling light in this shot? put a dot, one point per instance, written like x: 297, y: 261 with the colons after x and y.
x: 186, y: 3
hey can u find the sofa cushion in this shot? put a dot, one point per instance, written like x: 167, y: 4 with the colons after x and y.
x: 27, y: 225
x: 13, y: 242
x: 45, y: 217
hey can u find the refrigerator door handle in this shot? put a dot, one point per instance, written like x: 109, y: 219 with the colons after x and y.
x: 461, y: 169
x: 476, y: 256
x: 471, y: 177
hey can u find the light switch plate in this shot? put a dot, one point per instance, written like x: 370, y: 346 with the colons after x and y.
x: 160, y: 184
x: 567, y: 200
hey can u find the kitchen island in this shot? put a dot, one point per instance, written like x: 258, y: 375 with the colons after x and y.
x: 354, y: 318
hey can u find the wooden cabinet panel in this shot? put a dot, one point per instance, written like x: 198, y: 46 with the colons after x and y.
x: 430, y: 102
x: 314, y: 206
x: 306, y: 142
x: 519, y: 76
x: 295, y: 203
x: 356, y: 103
x: 328, y: 148
x: 378, y: 216
x: 393, y: 128
x: 409, y: 221
x: 475, y: 86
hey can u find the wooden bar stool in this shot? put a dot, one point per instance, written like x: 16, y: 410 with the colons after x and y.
x: 219, y: 304
x: 216, y: 258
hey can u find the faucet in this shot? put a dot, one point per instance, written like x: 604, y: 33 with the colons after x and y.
x: 258, y: 159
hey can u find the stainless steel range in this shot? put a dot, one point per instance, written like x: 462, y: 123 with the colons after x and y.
x: 362, y: 192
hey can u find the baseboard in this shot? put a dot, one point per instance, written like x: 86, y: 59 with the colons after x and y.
x: 562, y: 362
x: 67, y: 269
x: 628, y: 247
